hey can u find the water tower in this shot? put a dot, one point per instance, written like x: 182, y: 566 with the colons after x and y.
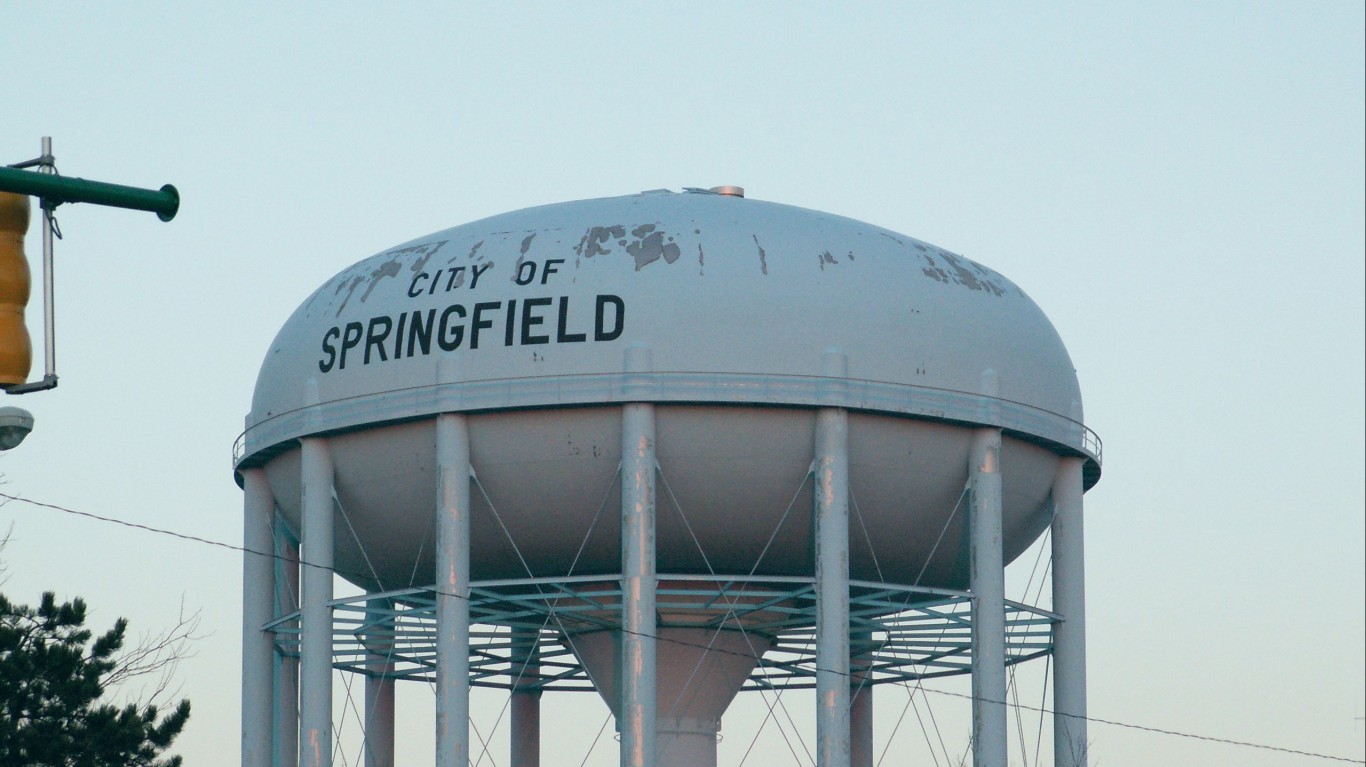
x: 667, y: 447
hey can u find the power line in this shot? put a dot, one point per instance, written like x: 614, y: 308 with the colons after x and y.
x: 1038, y: 709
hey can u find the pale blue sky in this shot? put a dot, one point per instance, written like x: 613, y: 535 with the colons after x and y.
x: 1179, y: 188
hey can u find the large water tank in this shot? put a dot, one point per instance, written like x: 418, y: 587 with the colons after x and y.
x: 737, y: 317
x: 750, y: 339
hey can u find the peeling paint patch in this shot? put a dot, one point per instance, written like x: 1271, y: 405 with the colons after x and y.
x: 521, y: 258
x: 962, y: 271
x: 646, y: 244
x: 650, y: 247
x: 592, y: 242
x: 389, y: 268
x: 350, y: 287
x: 895, y: 239
x: 826, y: 258
x: 701, y: 261
x: 934, y: 272
x: 763, y: 257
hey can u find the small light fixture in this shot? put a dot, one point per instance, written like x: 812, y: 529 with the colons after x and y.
x: 15, y: 424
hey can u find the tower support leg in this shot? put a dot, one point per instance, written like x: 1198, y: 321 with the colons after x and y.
x: 453, y: 591
x: 379, y: 689
x: 286, y: 666
x: 638, y: 652
x: 831, y: 527
x: 525, y: 704
x: 258, y: 603
x: 315, y: 716
x: 861, y: 726
x: 988, y: 601
x: 1069, y: 600
x: 860, y: 701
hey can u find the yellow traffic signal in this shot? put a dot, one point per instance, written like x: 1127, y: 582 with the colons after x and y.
x: 16, y: 351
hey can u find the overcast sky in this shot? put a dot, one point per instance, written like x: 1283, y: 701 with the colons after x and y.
x: 1179, y: 187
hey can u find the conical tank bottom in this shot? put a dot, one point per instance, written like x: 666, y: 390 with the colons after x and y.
x: 698, y: 672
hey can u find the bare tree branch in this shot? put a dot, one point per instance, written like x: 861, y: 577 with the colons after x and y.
x: 157, y: 655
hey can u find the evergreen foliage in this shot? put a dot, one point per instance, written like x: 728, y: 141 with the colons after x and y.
x: 52, y: 678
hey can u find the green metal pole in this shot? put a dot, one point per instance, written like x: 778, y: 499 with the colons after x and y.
x: 54, y: 190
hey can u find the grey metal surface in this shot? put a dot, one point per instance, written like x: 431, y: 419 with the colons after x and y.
x: 637, y: 710
x: 315, y: 662
x: 453, y: 511
x: 579, y: 354
x: 738, y: 299
x: 988, y: 602
x: 378, y: 713
x: 831, y: 544
x: 1069, y: 599
x: 258, y: 646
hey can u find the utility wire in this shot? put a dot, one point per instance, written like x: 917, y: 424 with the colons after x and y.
x: 722, y: 651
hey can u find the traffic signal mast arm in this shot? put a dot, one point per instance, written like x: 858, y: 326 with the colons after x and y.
x: 52, y: 190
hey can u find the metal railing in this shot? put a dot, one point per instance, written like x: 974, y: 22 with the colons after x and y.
x: 672, y: 386
x: 899, y: 632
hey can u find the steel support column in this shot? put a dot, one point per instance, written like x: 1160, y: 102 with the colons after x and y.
x: 315, y: 716
x: 831, y: 529
x: 1069, y: 601
x: 860, y: 703
x: 453, y: 591
x: 638, y: 652
x: 988, y: 601
x: 379, y: 689
x: 258, y: 604
x: 861, y: 726
x: 286, y: 666
x: 525, y: 703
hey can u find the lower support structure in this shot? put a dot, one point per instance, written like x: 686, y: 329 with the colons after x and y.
x: 638, y: 627
x: 524, y: 706
x: 258, y: 604
x: 379, y: 691
x: 988, y: 601
x: 315, y: 662
x: 832, y: 587
x: 1069, y: 601
x: 286, y: 705
x: 453, y: 591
